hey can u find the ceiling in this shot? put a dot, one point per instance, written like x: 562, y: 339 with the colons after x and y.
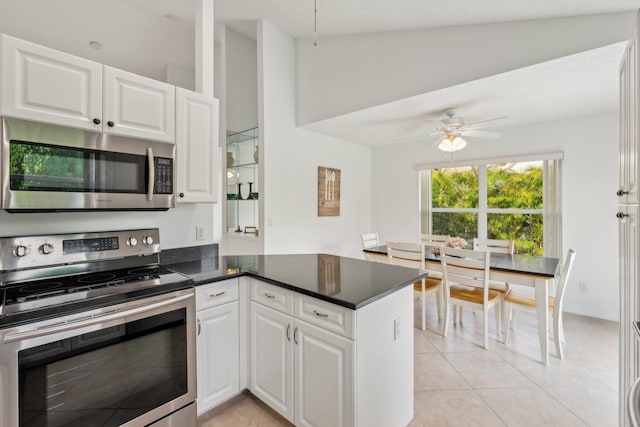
x: 137, y: 36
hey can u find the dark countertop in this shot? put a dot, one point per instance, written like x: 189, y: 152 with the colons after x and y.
x: 518, y: 263
x: 349, y: 282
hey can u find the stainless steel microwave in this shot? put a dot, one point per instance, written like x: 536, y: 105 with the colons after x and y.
x: 53, y: 168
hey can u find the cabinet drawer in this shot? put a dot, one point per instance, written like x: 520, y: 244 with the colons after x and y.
x: 272, y: 296
x: 215, y: 294
x: 328, y: 316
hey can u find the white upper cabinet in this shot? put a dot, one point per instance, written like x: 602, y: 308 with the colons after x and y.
x: 46, y: 85
x: 197, y: 146
x: 49, y: 86
x: 138, y: 106
x: 628, y: 188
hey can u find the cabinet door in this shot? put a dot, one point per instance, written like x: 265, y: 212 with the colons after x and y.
x: 46, y: 85
x: 272, y: 358
x: 197, y: 142
x: 138, y: 106
x: 324, y: 377
x: 217, y: 355
x: 630, y: 132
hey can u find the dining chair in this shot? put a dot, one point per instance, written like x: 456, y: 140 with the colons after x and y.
x: 370, y: 240
x: 527, y: 302
x: 412, y: 255
x: 433, y: 239
x: 499, y: 247
x: 493, y: 245
x: 466, y: 284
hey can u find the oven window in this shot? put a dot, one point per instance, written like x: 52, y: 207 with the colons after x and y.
x: 104, y: 378
x: 42, y: 167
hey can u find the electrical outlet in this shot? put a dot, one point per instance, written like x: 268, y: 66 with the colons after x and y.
x: 582, y: 286
x: 199, y: 232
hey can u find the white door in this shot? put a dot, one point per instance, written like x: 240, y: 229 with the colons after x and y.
x: 272, y: 358
x: 218, y: 355
x: 138, y: 106
x: 324, y: 377
x: 49, y: 86
x: 197, y: 146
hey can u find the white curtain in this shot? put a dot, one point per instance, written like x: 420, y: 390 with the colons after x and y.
x: 552, y: 216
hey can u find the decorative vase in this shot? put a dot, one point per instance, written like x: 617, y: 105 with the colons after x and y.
x: 230, y: 160
x: 255, y: 154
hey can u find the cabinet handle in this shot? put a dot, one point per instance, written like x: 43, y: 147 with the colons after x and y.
x: 218, y: 294
x: 621, y: 192
x: 110, y: 124
x: 621, y: 215
x: 269, y: 296
x: 288, y: 332
x: 96, y: 121
x: 295, y: 335
x: 199, y: 328
x: 181, y: 194
x: 317, y: 313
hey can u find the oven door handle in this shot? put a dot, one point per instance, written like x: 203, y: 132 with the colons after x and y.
x: 152, y: 173
x: 88, y: 321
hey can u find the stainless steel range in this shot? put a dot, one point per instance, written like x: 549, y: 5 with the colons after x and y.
x: 93, y: 332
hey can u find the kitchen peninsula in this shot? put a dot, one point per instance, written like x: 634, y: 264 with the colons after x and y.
x: 324, y: 340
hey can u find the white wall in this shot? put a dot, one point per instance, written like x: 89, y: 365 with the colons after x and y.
x: 590, y: 180
x: 177, y: 226
x: 291, y: 159
x: 352, y: 72
x: 241, y: 63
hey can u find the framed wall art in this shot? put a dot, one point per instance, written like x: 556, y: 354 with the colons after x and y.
x: 328, y: 191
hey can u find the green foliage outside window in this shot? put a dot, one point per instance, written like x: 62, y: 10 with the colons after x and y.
x: 42, y: 167
x: 507, y: 188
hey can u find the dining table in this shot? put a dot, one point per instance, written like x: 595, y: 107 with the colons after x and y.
x: 520, y: 269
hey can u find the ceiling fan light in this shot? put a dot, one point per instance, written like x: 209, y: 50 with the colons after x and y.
x: 452, y: 143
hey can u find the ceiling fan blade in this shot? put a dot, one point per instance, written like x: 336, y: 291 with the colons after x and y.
x: 481, y: 134
x: 434, y: 124
x: 411, y: 138
x: 437, y: 141
x: 438, y: 132
x: 483, y: 123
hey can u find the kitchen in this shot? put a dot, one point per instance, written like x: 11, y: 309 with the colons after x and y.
x: 290, y: 230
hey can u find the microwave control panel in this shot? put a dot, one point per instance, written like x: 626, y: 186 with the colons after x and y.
x: 163, y: 176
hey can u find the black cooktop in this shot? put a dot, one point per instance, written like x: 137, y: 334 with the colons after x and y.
x: 60, y: 295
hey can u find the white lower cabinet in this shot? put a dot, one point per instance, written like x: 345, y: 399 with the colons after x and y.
x: 302, y: 371
x: 272, y: 358
x: 324, y: 377
x: 217, y: 343
x: 315, y: 363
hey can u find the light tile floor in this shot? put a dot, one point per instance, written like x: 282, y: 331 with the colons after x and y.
x: 458, y: 383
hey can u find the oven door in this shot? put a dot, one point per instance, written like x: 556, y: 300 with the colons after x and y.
x: 48, y: 167
x: 126, y: 365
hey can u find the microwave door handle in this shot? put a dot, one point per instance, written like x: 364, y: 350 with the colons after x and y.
x: 152, y: 174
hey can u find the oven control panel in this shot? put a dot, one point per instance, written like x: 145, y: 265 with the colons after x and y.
x: 40, y: 251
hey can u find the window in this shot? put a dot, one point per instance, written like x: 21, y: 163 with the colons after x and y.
x: 496, y: 200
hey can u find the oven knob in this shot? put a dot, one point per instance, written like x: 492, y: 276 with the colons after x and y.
x: 148, y: 240
x: 45, y: 248
x: 20, y: 251
x: 132, y: 241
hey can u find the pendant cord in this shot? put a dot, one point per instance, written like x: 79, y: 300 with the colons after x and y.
x: 315, y: 22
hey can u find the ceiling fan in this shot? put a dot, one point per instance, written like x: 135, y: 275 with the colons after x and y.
x: 451, y: 130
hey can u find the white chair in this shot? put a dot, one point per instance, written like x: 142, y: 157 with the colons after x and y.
x: 412, y: 255
x: 433, y: 239
x: 527, y: 302
x: 466, y: 284
x: 498, y: 247
x: 370, y: 240
x: 493, y: 245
